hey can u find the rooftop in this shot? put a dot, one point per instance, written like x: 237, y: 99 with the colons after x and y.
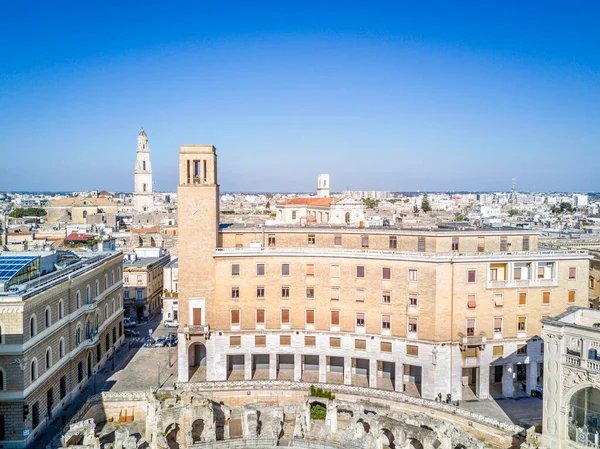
x: 576, y: 317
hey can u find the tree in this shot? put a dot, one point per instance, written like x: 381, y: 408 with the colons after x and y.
x: 512, y: 212
x: 460, y: 217
x: 21, y: 212
x: 563, y: 207
x: 370, y: 203
x: 416, y: 209
x: 425, y: 206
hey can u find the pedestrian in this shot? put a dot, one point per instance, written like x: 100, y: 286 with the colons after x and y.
x: 448, y: 398
x: 439, y: 398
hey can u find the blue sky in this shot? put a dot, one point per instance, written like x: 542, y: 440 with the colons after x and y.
x: 400, y: 96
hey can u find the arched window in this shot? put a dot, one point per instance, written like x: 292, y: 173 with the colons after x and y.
x: 77, y: 300
x: 78, y: 335
x: 97, y: 288
x: 119, y: 300
x: 1, y: 333
x: 97, y: 323
x: 144, y: 163
x: 34, y: 370
x: 48, y: 317
x: 106, y: 282
x: 144, y: 187
x: 2, y: 379
x: 112, y: 277
x: 48, y: 358
x: 85, y: 214
x: 33, y: 326
x: 106, y: 311
x: 61, y: 348
x: 113, y: 307
x: 61, y: 309
x: 88, y: 294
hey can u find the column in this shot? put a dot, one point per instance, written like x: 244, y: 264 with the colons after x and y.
x: 297, y: 367
x: 272, y: 366
x: 323, y: 368
x: 507, y: 380
x: 183, y: 366
x: 484, y: 381
x: 399, y: 377
x: 531, y: 376
x: 247, y: 366
x: 347, y: 370
x: 373, y: 373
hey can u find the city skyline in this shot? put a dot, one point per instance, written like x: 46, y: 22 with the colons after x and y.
x: 399, y: 98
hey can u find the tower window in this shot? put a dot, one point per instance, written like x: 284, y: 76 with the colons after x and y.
x: 143, y: 165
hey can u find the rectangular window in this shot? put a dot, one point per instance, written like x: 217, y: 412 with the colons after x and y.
x: 271, y: 240
x: 471, y: 303
x: 592, y: 283
x: 571, y: 295
x: 364, y: 241
x: 360, y: 271
x: 235, y: 292
x: 285, y: 340
x: 493, y: 274
x: 335, y: 342
x: 503, y: 243
x: 285, y: 269
x: 35, y: 418
x: 235, y: 317
x: 294, y: 214
x: 310, y: 341
x: 285, y: 316
x: 522, y: 350
x: 572, y: 273
x: 310, y: 293
x: 63, y: 386
x: 498, y: 299
x: 235, y: 341
x: 386, y: 297
x: 361, y: 294
x: 471, y: 276
x: 335, y: 317
x: 413, y: 299
x: 79, y: 372
x: 360, y: 345
x: 545, y: 297
x: 310, y: 269
x: 455, y: 244
x: 413, y: 275
x: 517, y: 274
x: 360, y: 320
x: 260, y: 292
x: 260, y: 317
x: 470, y: 352
x: 260, y: 269
x: 522, y: 298
x: 525, y: 243
x: 334, y: 271
x: 421, y: 245
x: 480, y: 244
x: 335, y: 293
x: 386, y: 346
x: 260, y: 341
x: 498, y: 324
x: 285, y: 292
x: 386, y: 322
x: 412, y: 324
x: 393, y: 242
x: 310, y: 317
x: 541, y: 272
x: 386, y: 273
x: 337, y: 240
x: 522, y: 324
x: 498, y: 351
x: 412, y: 350
x: 470, y: 327
x: 311, y: 239
x: 125, y: 294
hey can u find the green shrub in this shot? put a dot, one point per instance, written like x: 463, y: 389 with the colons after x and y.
x: 317, y: 411
x: 321, y: 393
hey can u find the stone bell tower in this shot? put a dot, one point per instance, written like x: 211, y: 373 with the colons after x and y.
x: 198, y: 227
x: 143, y: 197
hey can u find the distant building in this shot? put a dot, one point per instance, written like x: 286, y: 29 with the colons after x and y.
x: 143, y: 281
x: 60, y: 319
x: 143, y: 198
x: 76, y: 210
x: 323, y: 186
x: 171, y: 290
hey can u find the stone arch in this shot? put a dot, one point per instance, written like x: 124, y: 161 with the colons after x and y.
x: 171, y: 434
x: 77, y: 299
x: 61, y: 309
x: 413, y: 443
x: 33, y: 325
x: 197, y: 360
x: 48, y: 357
x: 387, y: 439
x: 61, y: 348
x: 362, y: 428
x: 198, y: 430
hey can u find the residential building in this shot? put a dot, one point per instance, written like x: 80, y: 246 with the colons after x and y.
x: 143, y: 281
x: 60, y: 318
x: 171, y: 290
x: 594, y: 282
x: 571, y: 379
x: 445, y: 311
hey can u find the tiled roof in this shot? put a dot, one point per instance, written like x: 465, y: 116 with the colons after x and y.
x: 75, y: 237
x: 310, y: 201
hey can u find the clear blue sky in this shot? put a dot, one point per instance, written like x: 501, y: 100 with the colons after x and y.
x: 426, y: 95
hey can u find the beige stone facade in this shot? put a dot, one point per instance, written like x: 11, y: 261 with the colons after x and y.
x: 426, y: 312
x: 594, y: 283
x: 56, y: 332
x: 143, y: 285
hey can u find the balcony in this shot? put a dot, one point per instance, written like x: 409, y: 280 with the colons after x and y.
x: 523, y: 283
x: 470, y: 341
x: 200, y: 329
x: 590, y: 365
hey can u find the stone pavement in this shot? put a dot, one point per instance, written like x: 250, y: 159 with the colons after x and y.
x: 525, y: 412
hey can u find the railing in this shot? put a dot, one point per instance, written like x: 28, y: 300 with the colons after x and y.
x: 573, y: 361
x: 523, y: 283
x: 472, y: 340
x: 201, y: 329
x: 593, y: 366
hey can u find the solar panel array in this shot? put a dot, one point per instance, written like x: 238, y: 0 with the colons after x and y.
x: 11, y: 265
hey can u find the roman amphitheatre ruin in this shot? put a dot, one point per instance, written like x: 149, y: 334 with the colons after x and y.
x: 264, y: 414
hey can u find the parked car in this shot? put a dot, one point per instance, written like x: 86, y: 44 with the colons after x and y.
x: 171, y: 340
x: 131, y: 332
x: 160, y: 342
x: 171, y: 323
x: 129, y: 322
x: 149, y: 342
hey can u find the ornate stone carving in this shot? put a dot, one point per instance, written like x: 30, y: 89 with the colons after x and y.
x: 573, y: 377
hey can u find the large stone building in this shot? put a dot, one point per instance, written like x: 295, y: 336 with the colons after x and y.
x: 143, y: 196
x: 77, y: 210
x: 572, y: 380
x: 60, y: 318
x: 426, y: 312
